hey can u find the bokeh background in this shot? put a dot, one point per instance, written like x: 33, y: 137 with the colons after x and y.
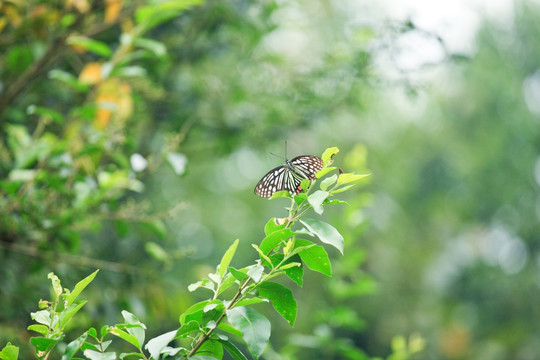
x: 134, y: 145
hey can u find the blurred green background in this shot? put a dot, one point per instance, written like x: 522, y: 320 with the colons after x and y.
x: 134, y: 145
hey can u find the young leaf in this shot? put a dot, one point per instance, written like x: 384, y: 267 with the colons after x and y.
x: 342, y: 189
x: 238, y: 274
x: 315, y: 257
x: 328, y: 154
x: 255, y: 328
x: 235, y: 353
x: 316, y: 199
x: 272, y: 240
x: 256, y: 272
x: 57, y: 287
x: 328, y: 181
x: 126, y: 336
x: 264, y: 257
x: 74, y: 346
x: 325, y: 171
x: 137, y: 331
x: 42, y: 329
x: 247, y: 302
x: 226, y: 260
x: 42, y: 317
x: 325, y: 232
x: 346, y: 178
x: 155, y: 345
x: 300, y: 198
x: 81, y: 285
x: 96, y: 355
x: 272, y: 226
x: 280, y: 194
x: 282, y: 299
x: 9, y: 352
x: 69, y: 312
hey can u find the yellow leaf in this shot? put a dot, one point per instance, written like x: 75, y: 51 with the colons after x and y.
x: 91, y: 73
x: 112, y: 10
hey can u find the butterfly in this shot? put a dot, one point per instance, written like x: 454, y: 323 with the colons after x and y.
x: 289, y: 176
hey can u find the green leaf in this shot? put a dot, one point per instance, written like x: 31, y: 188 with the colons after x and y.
x: 272, y: 240
x: 264, y: 257
x: 346, y: 178
x: 96, y: 355
x: 247, y: 302
x: 342, y: 189
x: 328, y: 181
x: 125, y: 336
x: 81, y: 285
x: 235, y: 353
x: 42, y: 317
x: 74, y: 346
x: 156, y: 47
x: 328, y: 154
x: 45, y: 112
x: 316, y: 199
x: 92, y: 332
x: 272, y: 226
x: 239, y: 275
x: 226, y: 259
x: 325, y: 232
x: 158, y: 12
x: 295, y: 273
x: 9, y: 352
x: 138, y: 330
x: 68, y: 79
x: 226, y: 283
x: 256, y: 272
x: 282, y: 299
x: 280, y: 194
x: 43, y: 344
x: 42, y: 329
x: 69, y: 312
x: 97, y: 47
x: 131, y: 355
x: 57, y: 286
x: 314, y: 256
x: 156, y: 251
x: 157, y: 344
x: 255, y: 328
x: 228, y: 328
x: 193, y: 309
x: 211, y: 348
x: 300, y: 198
x: 204, y: 283
x: 187, y: 329
x: 325, y: 171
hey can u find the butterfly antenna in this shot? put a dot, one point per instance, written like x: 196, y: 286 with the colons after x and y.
x: 286, y: 150
x: 279, y: 156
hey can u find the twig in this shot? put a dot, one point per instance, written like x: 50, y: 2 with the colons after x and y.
x: 72, y: 259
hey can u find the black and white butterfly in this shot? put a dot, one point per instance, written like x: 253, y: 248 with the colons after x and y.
x: 289, y: 176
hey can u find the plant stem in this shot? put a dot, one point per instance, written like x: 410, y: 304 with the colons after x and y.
x: 294, y: 209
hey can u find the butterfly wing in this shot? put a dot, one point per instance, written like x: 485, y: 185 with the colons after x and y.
x: 307, y: 166
x: 289, y: 178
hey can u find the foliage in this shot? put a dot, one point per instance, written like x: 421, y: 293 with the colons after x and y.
x: 208, y: 325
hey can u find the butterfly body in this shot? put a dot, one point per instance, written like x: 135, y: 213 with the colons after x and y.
x: 289, y: 176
